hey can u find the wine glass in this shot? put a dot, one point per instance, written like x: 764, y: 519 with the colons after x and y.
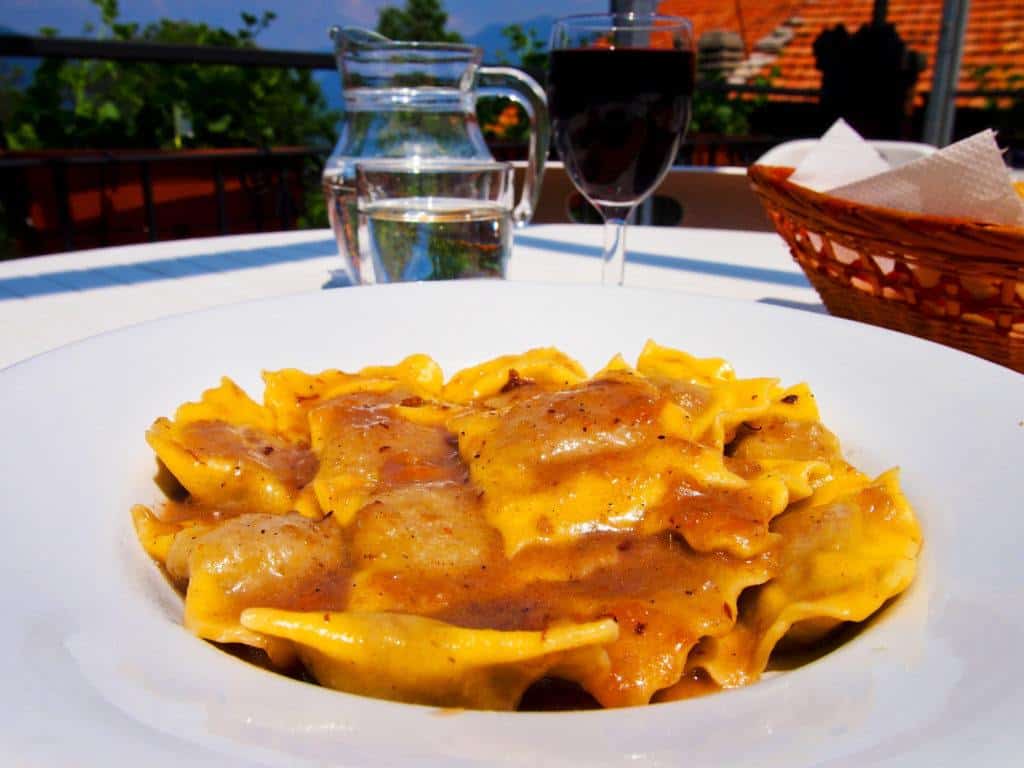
x: 619, y: 93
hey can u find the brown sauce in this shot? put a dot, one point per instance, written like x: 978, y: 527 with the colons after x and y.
x: 422, y: 543
x: 294, y: 465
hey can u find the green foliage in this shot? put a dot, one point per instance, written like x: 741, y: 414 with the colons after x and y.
x: 715, y: 110
x: 109, y: 104
x: 419, y: 20
x: 528, y: 50
x: 502, y: 119
x: 10, y: 76
x: 1005, y: 115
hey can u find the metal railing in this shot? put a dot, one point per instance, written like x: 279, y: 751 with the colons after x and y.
x: 734, y: 150
x: 275, y: 167
x: 68, y: 235
x: 276, y: 164
x: 29, y: 46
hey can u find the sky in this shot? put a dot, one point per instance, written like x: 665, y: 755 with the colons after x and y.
x: 300, y: 25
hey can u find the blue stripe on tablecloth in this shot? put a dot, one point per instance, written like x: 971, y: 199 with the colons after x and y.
x: 720, y: 269
x: 65, y: 281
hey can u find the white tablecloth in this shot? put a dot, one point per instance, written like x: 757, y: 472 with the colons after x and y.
x: 52, y: 300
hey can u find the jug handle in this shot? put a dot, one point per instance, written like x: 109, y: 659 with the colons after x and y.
x: 516, y: 85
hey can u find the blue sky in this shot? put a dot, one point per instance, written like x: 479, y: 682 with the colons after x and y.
x: 300, y: 24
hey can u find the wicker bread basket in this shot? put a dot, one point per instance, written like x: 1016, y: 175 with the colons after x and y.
x: 954, y: 281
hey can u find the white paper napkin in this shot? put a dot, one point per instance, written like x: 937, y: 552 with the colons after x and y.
x: 967, y: 179
x: 840, y: 157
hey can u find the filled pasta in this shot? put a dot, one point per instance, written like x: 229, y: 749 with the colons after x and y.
x: 643, y: 534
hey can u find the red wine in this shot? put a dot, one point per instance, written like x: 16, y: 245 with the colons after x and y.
x: 618, y: 116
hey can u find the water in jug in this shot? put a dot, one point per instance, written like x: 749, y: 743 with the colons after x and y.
x: 409, y: 99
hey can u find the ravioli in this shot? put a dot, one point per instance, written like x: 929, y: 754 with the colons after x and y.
x: 415, y: 659
x: 256, y: 559
x: 229, y: 465
x: 844, y: 553
x: 642, y: 534
x: 291, y: 394
x: 367, y: 444
x: 586, y: 458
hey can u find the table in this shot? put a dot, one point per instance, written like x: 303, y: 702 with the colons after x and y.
x: 49, y: 301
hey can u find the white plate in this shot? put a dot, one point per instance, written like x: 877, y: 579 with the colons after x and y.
x: 97, y: 669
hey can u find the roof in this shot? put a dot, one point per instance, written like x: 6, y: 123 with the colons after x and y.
x: 754, y: 20
x: 993, y: 46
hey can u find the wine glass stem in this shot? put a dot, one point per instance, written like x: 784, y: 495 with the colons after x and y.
x: 613, y: 269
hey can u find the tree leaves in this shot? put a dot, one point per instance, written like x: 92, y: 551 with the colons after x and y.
x: 530, y: 52
x: 220, y: 125
x: 108, y: 112
x: 116, y: 105
x: 419, y: 20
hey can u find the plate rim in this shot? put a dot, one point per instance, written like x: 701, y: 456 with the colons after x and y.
x: 17, y: 370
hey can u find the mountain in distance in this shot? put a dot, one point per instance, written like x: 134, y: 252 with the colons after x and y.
x: 493, y: 42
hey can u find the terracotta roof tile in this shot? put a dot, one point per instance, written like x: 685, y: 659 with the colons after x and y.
x: 759, y: 17
x: 992, y: 41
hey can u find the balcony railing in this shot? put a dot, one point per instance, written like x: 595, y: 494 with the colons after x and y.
x: 28, y: 46
x: 62, y: 200
x: 65, y: 200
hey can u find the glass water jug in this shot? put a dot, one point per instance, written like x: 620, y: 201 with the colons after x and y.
x: 406, y: 99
